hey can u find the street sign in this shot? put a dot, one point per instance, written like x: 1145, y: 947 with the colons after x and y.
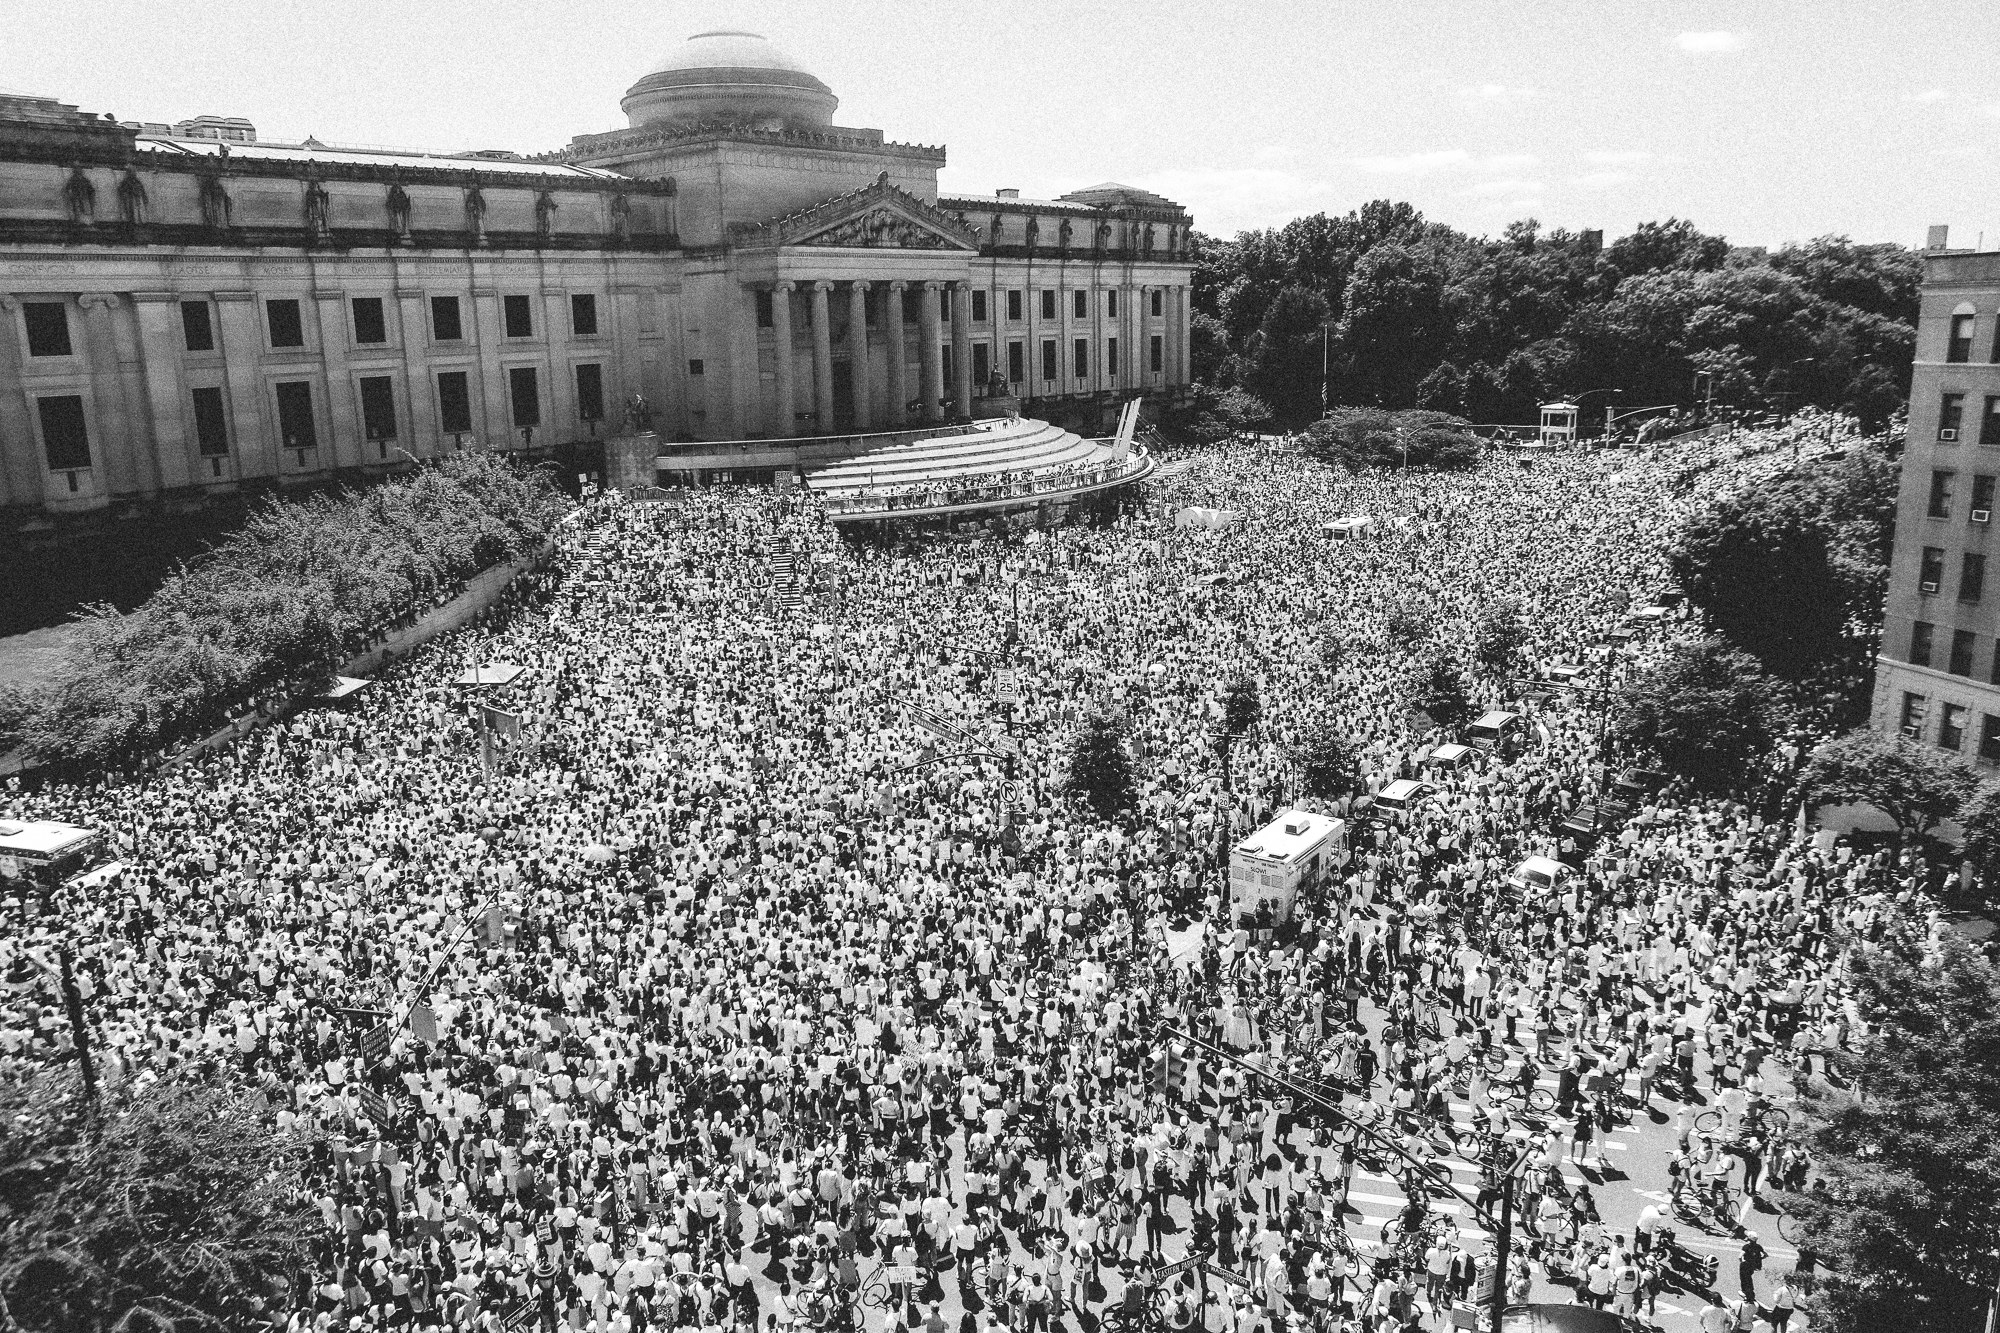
x: 375, y: 1043
x: 1176, y: 1269
x: 1233, y: 1278
x: 374, y: 1105
x: 1007, y: 685
x: 936, y: 724
x: 360, y: 1015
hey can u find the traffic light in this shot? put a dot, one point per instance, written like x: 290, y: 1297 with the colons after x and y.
x: 1176, y: 1061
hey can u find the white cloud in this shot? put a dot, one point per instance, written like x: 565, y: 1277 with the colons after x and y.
x: 1991, y: 109
x: 1600, y: 180
x: 1929, y: 95
x: 1415, y: 164
x: 1623, y: 158
x: 1512, y: 208
x: 1225, y: 201
x: 1710, y: 43
x: 1509, y: 186
x: 1508, y: 162
x: 1497, y: 94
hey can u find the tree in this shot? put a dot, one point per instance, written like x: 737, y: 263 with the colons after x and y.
x: 1437, y: 688
x: 1329, y: 765
x: 1915, y: 785
x: 171, y: 1207
x: 1242, y: 709
x: 1405, y: 625
x: 1980, y: 820
x: 1368, y: 437
x: 1100, y: 769
x: 1907, y: 1225
x: 1706, y: 710
x: 1286, y: 355
x: 1499, y: 636
x: 1788, y: 569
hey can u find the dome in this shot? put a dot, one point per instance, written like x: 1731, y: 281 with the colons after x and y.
x: 729, y: 77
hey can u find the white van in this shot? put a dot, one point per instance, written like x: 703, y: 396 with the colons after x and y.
x: 1403, y: 794
x: 1539, y: 875
x: 1494, y: 730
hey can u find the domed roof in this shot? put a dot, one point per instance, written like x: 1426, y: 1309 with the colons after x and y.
x: 734, y: 77
x: 729, y: 49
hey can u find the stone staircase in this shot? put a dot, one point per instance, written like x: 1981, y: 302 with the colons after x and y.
x: 1004, y: 445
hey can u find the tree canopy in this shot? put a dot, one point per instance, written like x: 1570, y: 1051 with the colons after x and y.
x: 1918, y: 786
x: 1329, y: 764
x: 1368, y: 437
x: 173, y: 1206
x: 1099, y: 776
x: 1706, y: 711
x: 1405, y: 312
x: 1907, y: 1224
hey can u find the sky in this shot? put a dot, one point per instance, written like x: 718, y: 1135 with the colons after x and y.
x: 1767, y: 122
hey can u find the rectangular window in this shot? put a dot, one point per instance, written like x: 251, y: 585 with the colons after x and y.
x: 590, y: 392
x: 525, y: 395
x: 978, y: 306
x: 48, y: 328
x: 1082, y: 304
x: 764, y: 318
x: 1048, y: 358
x: 1951, y: 727
x: 445, y: 326
x: 982, y: 366
x: 1962, y: 641
x: 1017, y: 362
x: 944, y: 304
x: 295, y: 415
x: 583, y: 315
x: 949, y: 363
x: 1080, y: 358
x: 197, y: 326
x: 1971, y: 577
x: 517, y: 316
x: 1014, y: 305
x: 211, y: 424
x: 1110, y: 356
x: 1048, y: 304
x: 1989, y: 738
x: 1921, y: 634
x: 1989, y: 424
x: 454, y: 402
x: 1982, y: 494
x: 1951, y: 415
x: 694, y: 366
x: 1940, y: 506
x: 287, y: 330
x: 369, y: 326
x: 1157, y: 353
x: 1111, y: 303
x: 1960, y: 346
x: 378, y: 407
x: 1159, y: 302
x: 1930, y: 569
x: 1913, y: 712
x: 65, y: 436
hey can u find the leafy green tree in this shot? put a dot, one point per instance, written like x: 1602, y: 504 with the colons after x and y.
x: 1367, y: 437
x: 1437, y: 688
x: 1242, y: 706
x: 1396, y: 324
x: 1329, y: 764
x: 1284, y: 359
x: 1918, y: 786
x: 1788, y: 569
x: 1100, y: 769
x: 1980, y: 819
x: 1499, y: 635
x: 1706, y: 711
x: 172, y: 1207
x: 1405, y: 625
x: 1906, y: 1228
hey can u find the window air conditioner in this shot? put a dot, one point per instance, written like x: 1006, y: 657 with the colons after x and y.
x: 1914, y: 731
x: 1928, y: 585
x: 1982, y: 515
x: 1948, y: 434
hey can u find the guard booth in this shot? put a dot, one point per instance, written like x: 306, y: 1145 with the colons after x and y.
x: 1290, y: 854
x: 1558, y: 423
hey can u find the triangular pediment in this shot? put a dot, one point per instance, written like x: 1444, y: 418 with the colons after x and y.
x: 876, y: 217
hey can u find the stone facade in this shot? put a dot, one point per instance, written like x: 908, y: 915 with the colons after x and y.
x: 182, y: 314
x: 1937, y: 676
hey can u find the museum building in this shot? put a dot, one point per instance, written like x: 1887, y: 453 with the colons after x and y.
x: 190, y: 312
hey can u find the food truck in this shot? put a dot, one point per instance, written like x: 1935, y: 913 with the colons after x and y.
x: 44, y: 853
x: 1293, y: 852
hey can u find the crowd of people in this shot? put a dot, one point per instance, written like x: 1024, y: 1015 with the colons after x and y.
x: 965, y: 488
x: 734, y: 1006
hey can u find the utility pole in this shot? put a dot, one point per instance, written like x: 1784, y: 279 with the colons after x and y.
x: 78, y: 1031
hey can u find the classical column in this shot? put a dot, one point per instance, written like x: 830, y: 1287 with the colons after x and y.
x: 781, y: 332
x: 160, y: 342
x: 1183, y: 319
x: 21, y: 470
x: 1131, y: 355
x: 892, y: 324
x: 822, y: 359
x: 961, y: 349
x: 117, y: 448
x: 930, y: 354
x: 857, y: 352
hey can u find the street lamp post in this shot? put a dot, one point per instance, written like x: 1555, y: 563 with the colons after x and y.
x: 1578, y: 400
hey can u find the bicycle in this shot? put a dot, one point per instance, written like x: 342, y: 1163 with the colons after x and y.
x: 1770, y: 1119
x: 1540, y: 1101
